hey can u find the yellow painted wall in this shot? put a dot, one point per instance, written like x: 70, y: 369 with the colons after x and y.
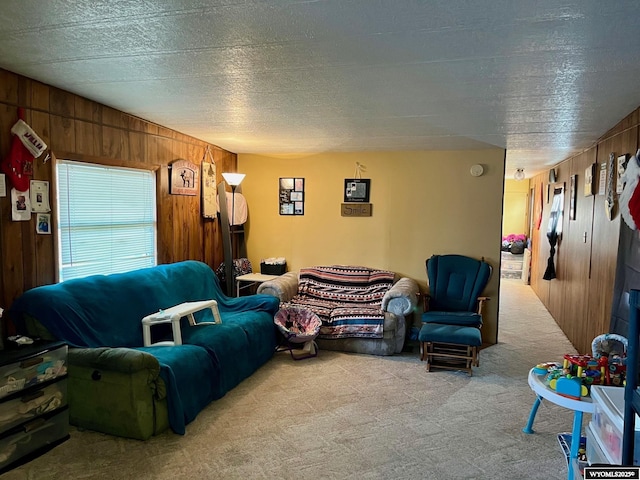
x: 516, y: 198
x: 424, y: 203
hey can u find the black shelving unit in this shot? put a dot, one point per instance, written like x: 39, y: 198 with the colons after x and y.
x: 631, y: 395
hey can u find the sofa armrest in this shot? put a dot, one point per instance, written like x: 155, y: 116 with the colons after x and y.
x: 284, y: 287
x: 402, y: 297
x: 121, y: 360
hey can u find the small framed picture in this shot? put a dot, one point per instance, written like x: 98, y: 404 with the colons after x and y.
x: 621, y: 167
x: 589, y: 173
x: 572, y: 197
x: 291, y: 196
x: 357, y: 190
x: 184, y: 178
x: 43, y: 223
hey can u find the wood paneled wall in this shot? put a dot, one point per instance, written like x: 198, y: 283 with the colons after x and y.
x: 79, y: 129
x: 580, y: 298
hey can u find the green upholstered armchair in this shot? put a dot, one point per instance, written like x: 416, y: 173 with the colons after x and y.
x: 450, y: 334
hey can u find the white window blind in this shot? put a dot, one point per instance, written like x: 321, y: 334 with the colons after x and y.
x: 106, y: 219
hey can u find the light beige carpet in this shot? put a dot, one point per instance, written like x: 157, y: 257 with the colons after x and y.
x: 347, y: 416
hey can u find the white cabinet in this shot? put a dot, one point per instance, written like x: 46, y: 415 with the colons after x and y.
x: 606, y: 426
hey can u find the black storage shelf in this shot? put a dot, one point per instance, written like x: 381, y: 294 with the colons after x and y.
x: 631, y: 394
x: 44, y: 429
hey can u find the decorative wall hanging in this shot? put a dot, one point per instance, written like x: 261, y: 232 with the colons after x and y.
x: 291, y: 196
x: 573, y: 190
x: 208, y: 175
x: 25, y: 146
x: 3, y: 185
x: 356, y: 210
x: 43, y: 224
x: 357, y: 190
x: 183, y: 178
x: 554, y: 230
x: 629, y: 200
x: 20, y: 206
x: 39, y: 193
x: 539, y: 208
x: 588, y: 179
x: 621, y: 166
x: 610, y: 202
x: 602, y: 179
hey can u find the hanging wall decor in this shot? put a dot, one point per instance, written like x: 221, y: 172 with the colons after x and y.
x: 208, y: 175
x: 602, y: 179
x: 620, y: 168
x: 572, y: 197
x: 610, y: 201
x: 183, y: 178
x: 291, y: 196
x: 43, y: 224
x: 357, y: 190
x: 554, y: 230
x: 39, y: 193
x: 20, y: 206
x: 573, y: 190
x: 588, y: 179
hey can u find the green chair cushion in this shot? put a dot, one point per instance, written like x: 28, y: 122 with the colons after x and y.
x: 459, y: 335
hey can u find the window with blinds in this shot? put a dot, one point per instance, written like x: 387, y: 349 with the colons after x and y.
x: 106, y: 219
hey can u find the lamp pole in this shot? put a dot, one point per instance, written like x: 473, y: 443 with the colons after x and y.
x: 233, y: 179
x: 233, y: 205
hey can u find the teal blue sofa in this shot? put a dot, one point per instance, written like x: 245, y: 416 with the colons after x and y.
x: 120, y: 387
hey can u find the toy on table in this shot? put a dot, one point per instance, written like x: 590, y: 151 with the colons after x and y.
x: 574, y: 377
x: 546, y: 367
x: 610, y: 349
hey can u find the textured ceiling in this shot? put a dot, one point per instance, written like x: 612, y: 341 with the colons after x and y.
x: 541, y: 79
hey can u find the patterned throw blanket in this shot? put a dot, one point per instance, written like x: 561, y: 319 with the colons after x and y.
x: 347, y: 299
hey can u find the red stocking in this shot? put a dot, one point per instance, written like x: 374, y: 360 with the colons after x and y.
x: 18, y: 165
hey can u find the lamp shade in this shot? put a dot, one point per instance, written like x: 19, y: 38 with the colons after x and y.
x: 233, y: 179
x: 519, y: 175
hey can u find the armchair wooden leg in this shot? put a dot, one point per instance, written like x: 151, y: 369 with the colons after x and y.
x: 449, y: 356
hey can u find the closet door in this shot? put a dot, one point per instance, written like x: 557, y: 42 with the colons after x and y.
x: 576, y: 255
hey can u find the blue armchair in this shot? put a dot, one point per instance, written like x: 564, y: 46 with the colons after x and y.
x: 450, y: 334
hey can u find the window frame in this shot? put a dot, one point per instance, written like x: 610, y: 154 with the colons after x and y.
x: 104, y: 162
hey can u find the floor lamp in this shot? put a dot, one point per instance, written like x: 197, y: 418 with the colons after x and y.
x: 233, y: 179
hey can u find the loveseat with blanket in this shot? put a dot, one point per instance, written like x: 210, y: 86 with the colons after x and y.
x: 120, y: 387
x: 362, y: 309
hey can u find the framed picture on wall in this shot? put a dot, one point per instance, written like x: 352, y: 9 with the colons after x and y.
x: 572, y: 197
x: 588, y: 179
x: 291, y: 196
x: 621, y: 166
x: 357, y: 190
x: 183, y: 178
